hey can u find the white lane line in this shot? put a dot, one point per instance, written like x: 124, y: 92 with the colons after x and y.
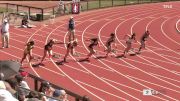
x: 63, y: 54
x: 144, y: 50
x: 95, y: 65
x: 159, y: 60
x: 46, y: 58
x: 122, y: 84
x: 69, y: 76
x: 94, y: 56
x: 158, y: 55
x: 165, y: 77
x: 162, y: 44
x: 162, y: 24
x: 171, y: 56
x: 27, y: 57
x: 28, y: 63
x: 154, y: 84
x: 117, y: 96
x: 177, y: 28
x: 77, y: 80
x: 89, y: 70
x: 138, y: 68
x: 155, y: 52
x: 49, y: 70
x: 83, y: 43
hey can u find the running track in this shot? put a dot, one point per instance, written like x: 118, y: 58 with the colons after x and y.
x: 111, y: 79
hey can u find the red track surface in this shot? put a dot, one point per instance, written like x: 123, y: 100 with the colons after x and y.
x: 111, y: 79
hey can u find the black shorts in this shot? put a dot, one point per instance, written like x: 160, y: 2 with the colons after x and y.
x: 91, y: 50
x: 142, y: 44
x: 46, y: 47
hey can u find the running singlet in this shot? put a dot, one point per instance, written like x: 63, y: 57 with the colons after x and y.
x: 69, y: 45
x: 129, y: 41
x: 29, y: 47
x: 110, y: 41
x: 94, y: 43
x: 48, y: 46
x: 144, y: 37
x: 71, y: 24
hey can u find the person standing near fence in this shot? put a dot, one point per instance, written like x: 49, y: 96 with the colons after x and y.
x: 71, y: 29
x: 5, y: 33
x: 61, y: 7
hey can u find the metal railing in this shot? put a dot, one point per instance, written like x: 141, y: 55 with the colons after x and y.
x: 46, y: 13
x: 21, y: 9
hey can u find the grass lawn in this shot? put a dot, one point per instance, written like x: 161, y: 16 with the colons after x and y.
x: 108, y: 3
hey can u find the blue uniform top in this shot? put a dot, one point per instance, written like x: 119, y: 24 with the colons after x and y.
x: 71, y: 24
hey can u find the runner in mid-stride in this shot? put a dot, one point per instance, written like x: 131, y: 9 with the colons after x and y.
x: 129, y: 43
x: 143, y: 40
x: 28, y: 51
x: 70, y: 48
x: 93, y: 42
x: 108, y: 44
x: 48, y: 48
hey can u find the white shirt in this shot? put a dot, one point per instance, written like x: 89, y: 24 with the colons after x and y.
x: 5, y: 27
x: 24, y: 85
x: 2, y: 85
x: 52, y: 99
x: 6, y: 96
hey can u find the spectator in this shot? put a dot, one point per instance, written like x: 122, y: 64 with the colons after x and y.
x: 63, y: 95
x: 8, y: 87
x: 25, y: 23
x: 59, y: 95
x: 33, y: 96
x: 56, y: 95
x: 5, y: 33
x: 18, y: 92
x: 22, y: 83
x: 6, y: 96
x: 33, y: 99
x: 85, y: 98
x: 1, y: 76
x: 46, y: 89
x: 2, y: 85
x: 71, y: 29
x: 13, y: 84
x: 61, y: 7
